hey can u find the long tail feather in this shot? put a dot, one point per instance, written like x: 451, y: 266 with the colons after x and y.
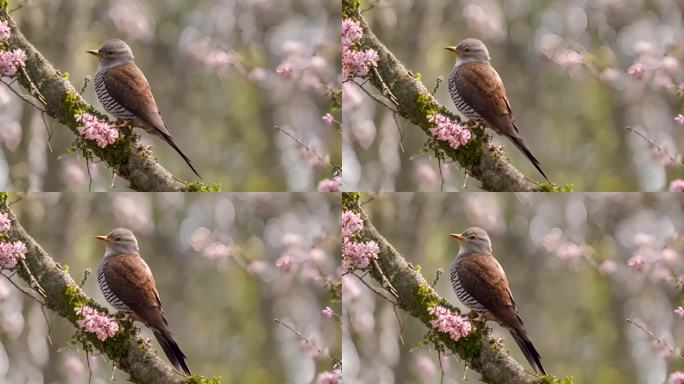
x: 528, y: 350
x: 172, y: 143
x: 172, y: 350
x: 521, y: 146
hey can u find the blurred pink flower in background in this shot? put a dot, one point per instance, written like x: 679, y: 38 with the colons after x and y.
x: 637, y: 71
x: 679, y: 119
x: 10, y: 135
x: 284, y: 263
x: 218, y: 59
x: 425, y: 366
x: 328, y: 118
x: 284, y: 70
x: 609, y: 75
x: 132, y: 18
x: 351, y: 96
x: 568, y: 58
x: 669, y: 65
x: 677, y: 185
x: 257, y: 267
x: 4, y: 96
x: 607, y: 267
x: 636, y: 263
x: 217, y: 251
x: 679, y: 311
x: 350, y: 287
x: 257, y: 75
x: 330, y: 185
x: 317, y: 64
x: 641, y: 240
x: 290, y: 240
x: 292, y: 47
x: 643, y: 48
x: 327, y: 311
x: 5, y: 30
x: 426, y: 173
x: 332, y: 377
x: 676, y: 378
x: 74, y: 365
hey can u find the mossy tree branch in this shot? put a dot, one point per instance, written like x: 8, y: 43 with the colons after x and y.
x: 480, y: 157
x: 60, y: 293
x: 480, y: 350
x: 126, y: 157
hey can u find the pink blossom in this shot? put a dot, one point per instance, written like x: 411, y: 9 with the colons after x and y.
x: 217, y: 251
x: 569, y: 251
x: 328, y: 312
x: 669, y: 256
x: 607, y: 267
x: 351, y: 223
x: 10, y: 60
x: 330, y: 185
x: 425, y: 366
x: 426, y: 174
x: 284, y: 263
x: 446, y: 321
x: 642, y: 240
x: 5, y: 222
x: 677, y: 185
x: 568, y: 59
x: 357, y: 63
x: 92, y: 321
x: 447, y: 130
x: 679, y: 311
x: 317, y: 256
x: 332, y: 377
x: 637, y: 71
x: 95, y: 129
x: 669, y: 65
x: 328, y: 118
x: 74, y: 365
x: 357, y: 255
x: 636, y: 262
x: 284, y: 70
x: 609, y: 75
x: 642, y: 48
x: 317, y: 64
x: 10, y: 252
x: 257, y: 75
x: 679, y: 119
x: 257, y: 267
x: 292, y: 47
x: 290, y: 240
x: 351, y: 32
x: 676, y: 378
x: 217, y: 59
x: 5, y: 30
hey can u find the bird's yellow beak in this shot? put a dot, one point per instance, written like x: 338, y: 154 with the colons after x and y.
x: 94, y: 52
x: 102, y: 238
x: 457, y: 236
x: 452, y: 49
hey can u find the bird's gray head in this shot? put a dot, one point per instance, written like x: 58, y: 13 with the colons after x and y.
x: 113, y: 52
x: 470, y: 51
x: 119, y: 241
x: 473, y: 239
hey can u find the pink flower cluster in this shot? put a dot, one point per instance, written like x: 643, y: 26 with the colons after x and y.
x: 355, y: 255
x: 5, y: 31
x: 95, y: 129
x: 5, y: 222
x: 284, y: 70
x: 565, y: 249
x: 679, y: 311
x: 679, y: 119
x: 446, y: 321
x: 330, y: 185
x: 355, y: 62
x: 447, y: 130
x: 10, y: 252
x: 92, y: 321
x: 331, y: 377
x: 284, y: 263
x: 677, y: 185
x: 10, y: 61
x: 676, y: 378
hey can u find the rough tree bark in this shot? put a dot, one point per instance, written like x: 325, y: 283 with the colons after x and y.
x: 126, y: 157
x: 481, y: 158
x: 128, y: 351
x: 415, y: 295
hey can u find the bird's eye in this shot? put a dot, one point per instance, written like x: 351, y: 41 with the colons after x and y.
x: 472, y: 237
x: 118, y: 238
x: 466, y: 49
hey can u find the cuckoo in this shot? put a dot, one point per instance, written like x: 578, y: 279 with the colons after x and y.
x: 124, y: 92
x: 128, y: 285
x: 479, y: 94
x: 481, y: 284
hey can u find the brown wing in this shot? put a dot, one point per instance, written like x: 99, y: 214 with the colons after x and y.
x: 482, y: 89
x: 485, y: 280
x: 127, y: 85
x: 131, y: 280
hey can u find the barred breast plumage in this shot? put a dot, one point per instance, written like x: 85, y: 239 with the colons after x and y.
x: 108, y: 102
x: 463, y: 296
x: 111, y: 298
x: 460, y: 103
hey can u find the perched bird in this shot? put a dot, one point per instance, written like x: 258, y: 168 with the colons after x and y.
x: 479, y: 94
x: 481, y: 284
x: 128, y: 285
x: 124, y: 92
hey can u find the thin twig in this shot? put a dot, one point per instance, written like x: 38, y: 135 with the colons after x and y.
x: 85, y: 277
x: 673, y: 160
x: 377, y: 99
x: 21, y: 289
x: 308, y: 148
x: 306, y: 339
x: 437, y: 275
x: 657, y: 340
x: 385, y: 281
x: 377, y: 291
x: 34, y: 283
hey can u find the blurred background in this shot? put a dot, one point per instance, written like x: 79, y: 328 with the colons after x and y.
x: 213, y: 67
x: 578, y: 265
x: 226, y: 266
x: 577, y: 72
